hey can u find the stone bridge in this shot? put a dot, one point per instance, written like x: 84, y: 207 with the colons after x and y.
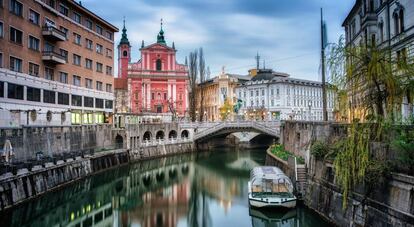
x: 205, y: 130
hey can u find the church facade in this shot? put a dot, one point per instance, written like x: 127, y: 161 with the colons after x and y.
x: 156, y: 84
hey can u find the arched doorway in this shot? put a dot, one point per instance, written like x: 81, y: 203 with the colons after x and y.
x: 184, y: 134
x: 159, y: 135
x: 172, y: 134
x: 119, y: 141
x: 147, y: 136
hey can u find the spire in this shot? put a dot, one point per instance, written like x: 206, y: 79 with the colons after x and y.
x: 173, y: 45
x: 160, y: 36
x: 124, y: 39
x: 142, y: 44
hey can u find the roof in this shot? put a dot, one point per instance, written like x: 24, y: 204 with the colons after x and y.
x: 268, y: 172
x: 120, y: 83
x: 90, y: 13
x: 157, y: 44
x: 352, y: 12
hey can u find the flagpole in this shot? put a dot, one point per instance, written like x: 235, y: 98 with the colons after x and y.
x: 324, y: 109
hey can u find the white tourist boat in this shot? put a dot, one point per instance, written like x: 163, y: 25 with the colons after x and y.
x: 270, y: 187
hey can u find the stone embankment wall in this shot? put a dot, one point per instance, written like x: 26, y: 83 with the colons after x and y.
x: 392, y: 204
x: 69, y: 154
x: 27, y: 184
x: 33, y: 143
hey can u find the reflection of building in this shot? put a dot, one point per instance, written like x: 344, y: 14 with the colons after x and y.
x: 278, y: 96
x: 56, y: 64
x: 388, y: 25
x: 215, y: 91
x: 154, y: 84
x: 163, y: 207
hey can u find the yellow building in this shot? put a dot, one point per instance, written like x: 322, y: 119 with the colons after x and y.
x: 214, y: 92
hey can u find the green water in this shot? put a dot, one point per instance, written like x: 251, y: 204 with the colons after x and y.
x: 204, y: 189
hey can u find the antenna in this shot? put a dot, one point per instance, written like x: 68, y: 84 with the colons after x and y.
x: 257, y: 60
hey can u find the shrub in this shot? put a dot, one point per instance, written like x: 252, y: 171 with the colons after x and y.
x: 319, y: 149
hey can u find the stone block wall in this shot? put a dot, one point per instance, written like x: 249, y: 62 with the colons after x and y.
x: 30, y: 142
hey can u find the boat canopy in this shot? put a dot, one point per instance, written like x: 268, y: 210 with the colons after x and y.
x: 270, y: 179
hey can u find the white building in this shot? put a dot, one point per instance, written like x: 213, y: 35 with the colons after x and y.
x: 278, y: 96
x: 387, y: 24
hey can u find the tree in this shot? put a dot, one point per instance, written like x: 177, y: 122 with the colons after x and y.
x: 375, y: 82
x: 226, y: 109
x: 192, y: 71
x: 202, y: 74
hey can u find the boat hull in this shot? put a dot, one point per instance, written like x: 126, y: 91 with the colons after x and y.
x: 272, y: 202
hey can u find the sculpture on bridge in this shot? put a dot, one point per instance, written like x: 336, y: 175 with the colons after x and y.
x: 238, y: 105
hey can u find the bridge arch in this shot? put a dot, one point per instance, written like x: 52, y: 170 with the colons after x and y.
x: 160, y: 135
x: 147, y: 136
x: 184, y: 133
x: 172, y: 134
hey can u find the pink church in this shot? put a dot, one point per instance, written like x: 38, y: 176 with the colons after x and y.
x: 156, y: 83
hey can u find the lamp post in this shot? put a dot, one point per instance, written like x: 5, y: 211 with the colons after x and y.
x: 310, y: 106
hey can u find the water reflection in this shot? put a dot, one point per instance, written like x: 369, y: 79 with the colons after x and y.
x: 205, y: 189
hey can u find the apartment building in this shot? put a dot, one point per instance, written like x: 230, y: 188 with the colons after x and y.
x: 56, y: 64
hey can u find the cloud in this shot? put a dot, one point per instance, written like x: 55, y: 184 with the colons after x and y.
x: 286, y: 33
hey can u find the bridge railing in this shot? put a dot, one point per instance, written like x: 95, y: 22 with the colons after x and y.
x: 269, y: 127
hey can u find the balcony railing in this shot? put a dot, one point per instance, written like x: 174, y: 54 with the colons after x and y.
x: 53, y: 34
x: 53, y: 57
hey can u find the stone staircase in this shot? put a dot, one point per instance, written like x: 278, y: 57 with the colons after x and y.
x: 301, y: 180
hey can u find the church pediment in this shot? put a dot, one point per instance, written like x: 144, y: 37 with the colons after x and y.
x: 158, y: 46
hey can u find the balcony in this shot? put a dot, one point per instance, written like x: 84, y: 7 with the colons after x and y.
x: 53, y: 34
x: 53, y: 57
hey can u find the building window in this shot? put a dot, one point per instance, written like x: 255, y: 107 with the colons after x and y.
x: 108, y: 87
x: 109, y: 53
x: 109, y: 104
x: 76, y: 59
x: 1, y: 89
x: 271, y: 92
x: 251, y: 93
x: 16, y: 36
x: 63, y: 98
x: 33, y: 94
x: 49, y: 96
x: 33, y: 69
x: 88, y: 83
x: 99, y: 48
x: 16, y: 64
x: 109, y: 70
x: 159, y: 65
x: 77, y: 17
x: 77, y: 39
x: 63, y: 77
x: 99, y: 103
x: 16, y: 7
x: 63, y: 10
x: 64, y: 54
x: 64, y: 30
x: 272, y: 102
x: 401, y: 58
x: 15, y: 91
x: 99, y: 29
x: 34, y: 17
x: 89, y: 44
x: 98, y: 85
x: 76, y: 80
x: 89, y: 24
x: 99, y: 67
x: 1, y: 30
x: 381, y: 31
x: 76, y: 100
x: 49, y: 73
x: 88, y: 63
x: 257, y: 92
x: 51, y: 3
x: 1, y: 60
x: 152, y: 96
x: 87, y: 101
x: 398, y: 17
x: 125, y: 53
x: 109, y: 35
x: 34, y: 43
x: 263, y: 92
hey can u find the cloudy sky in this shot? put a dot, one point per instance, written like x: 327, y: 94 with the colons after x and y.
x: 286, y: 33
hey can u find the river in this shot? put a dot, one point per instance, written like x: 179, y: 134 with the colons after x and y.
x: 203, y: 189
